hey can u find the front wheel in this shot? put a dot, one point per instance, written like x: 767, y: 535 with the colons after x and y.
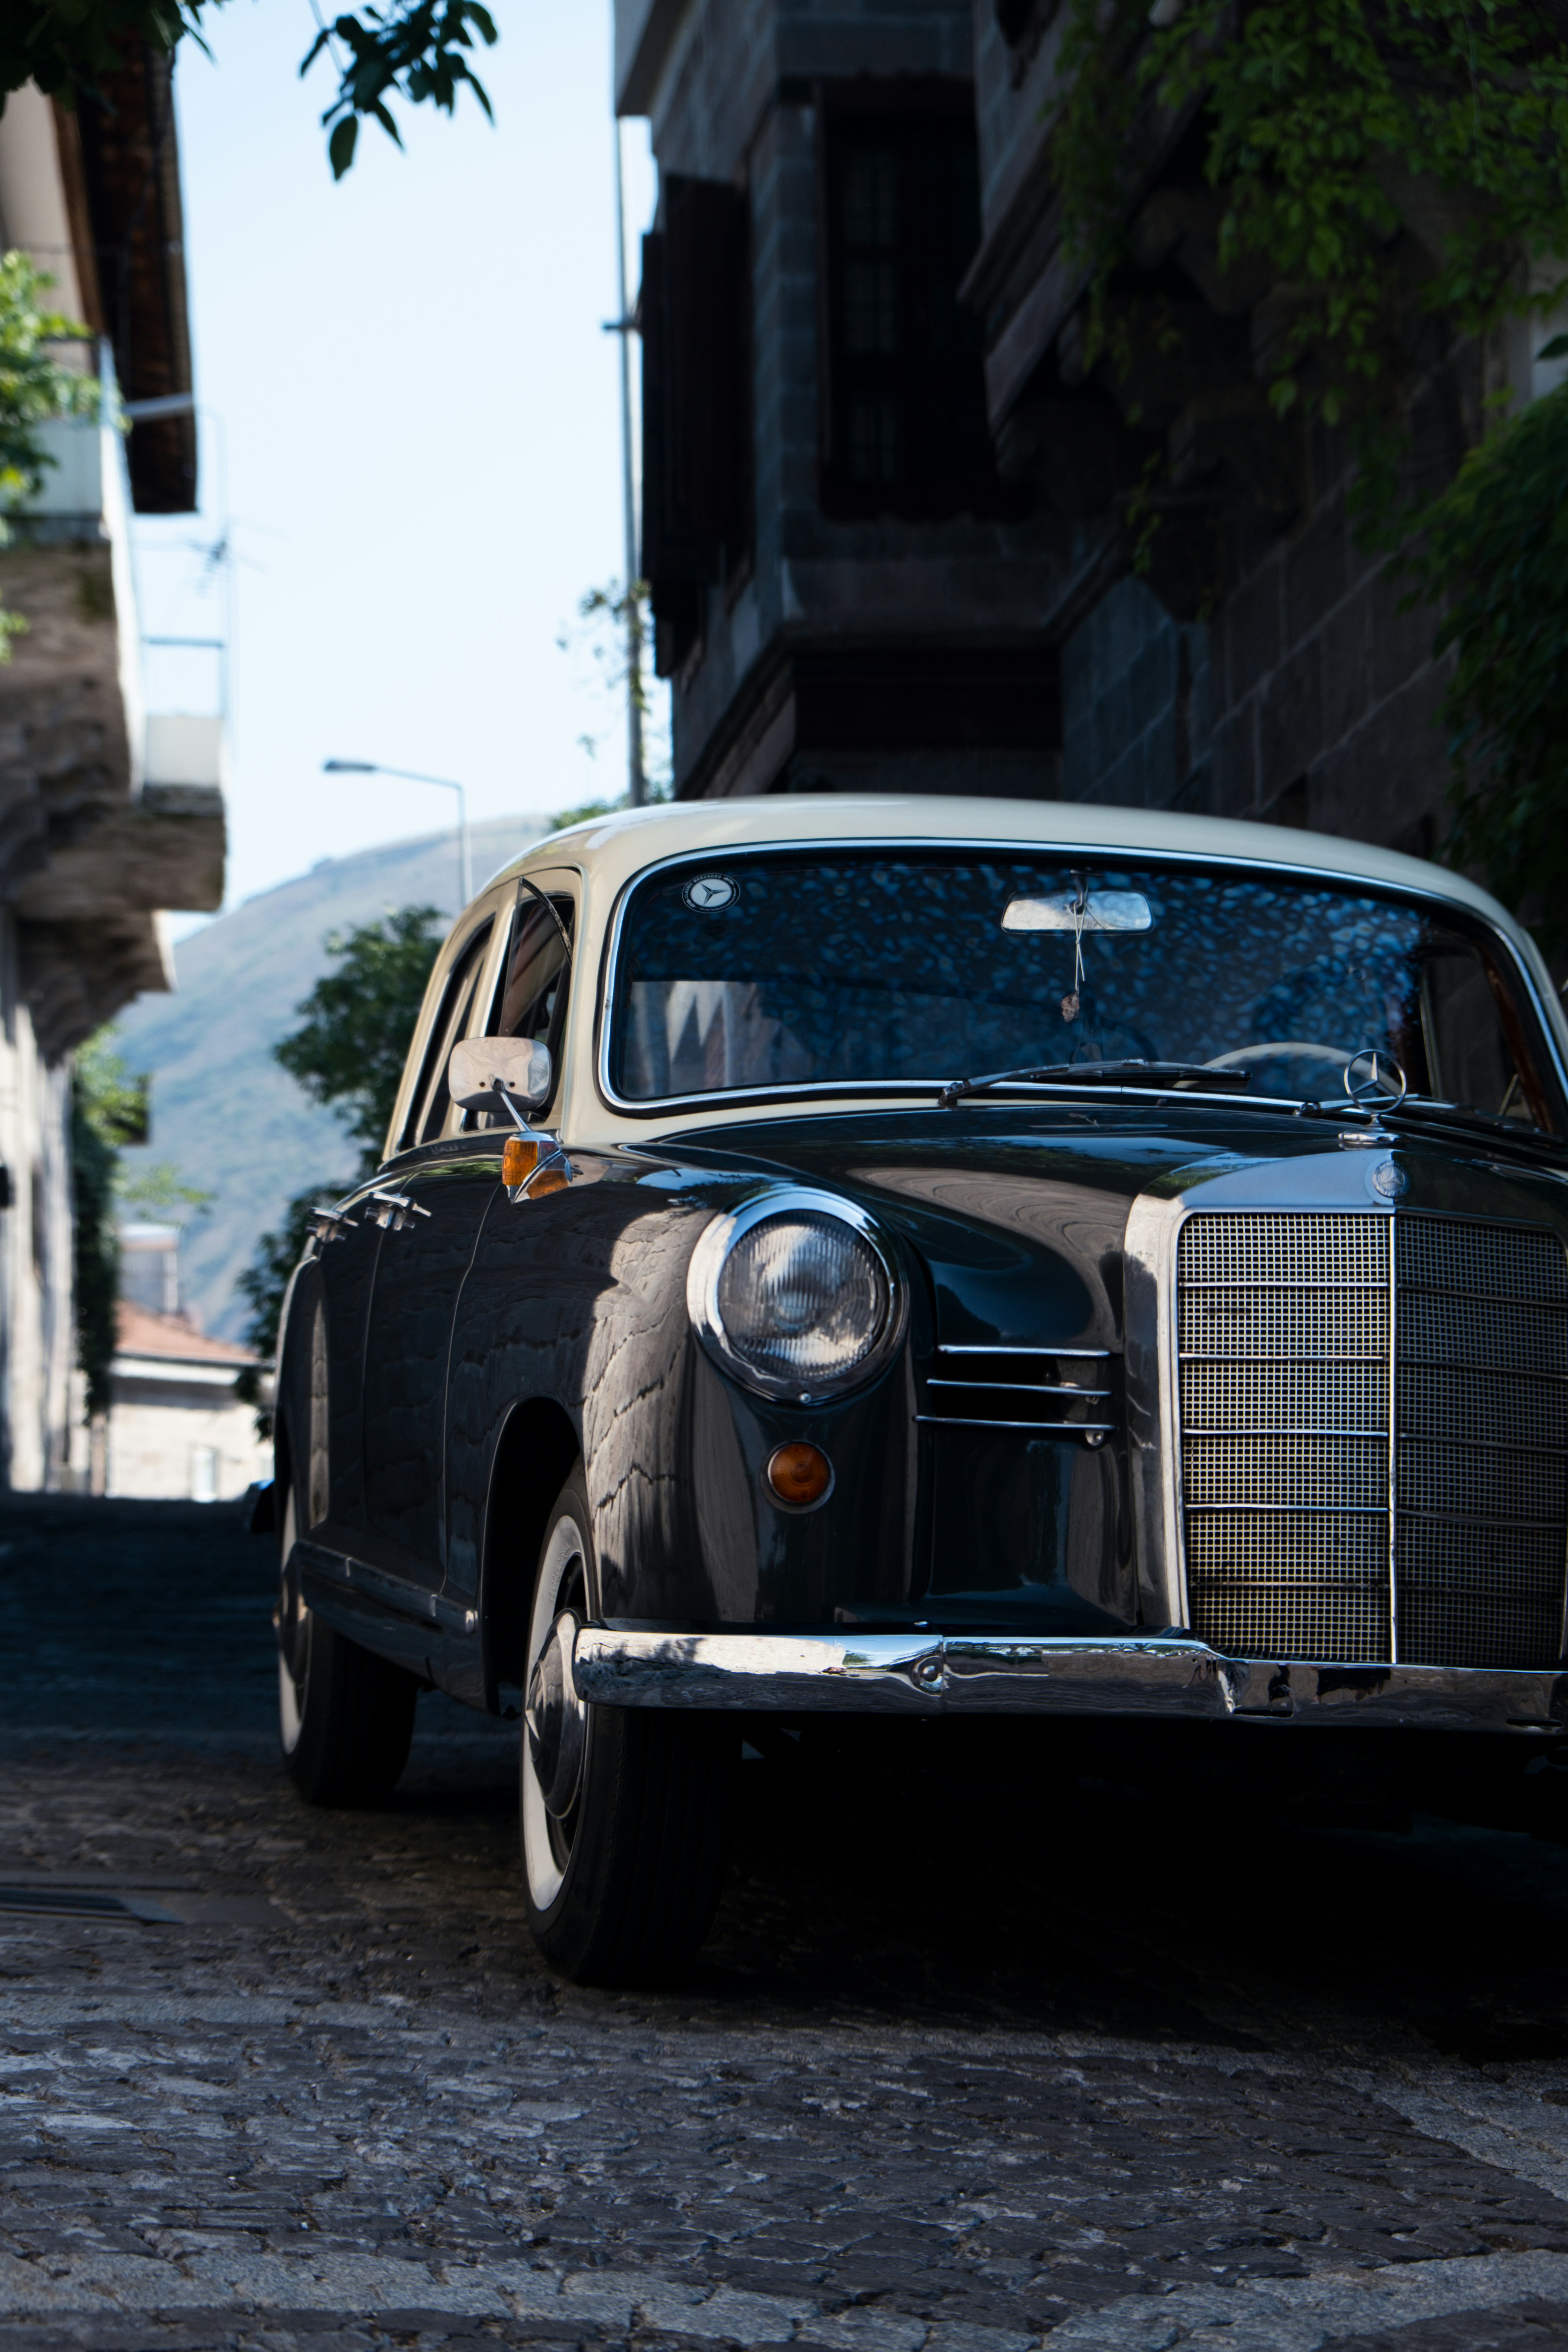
x: 624, y: 1812
x: 345, y: 1717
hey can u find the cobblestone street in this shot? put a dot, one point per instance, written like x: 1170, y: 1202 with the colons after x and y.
x: 992, y: 2044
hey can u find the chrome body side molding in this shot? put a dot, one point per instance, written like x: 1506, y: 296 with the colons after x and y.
x: 1161, y: 1675
x: 328, y: 1577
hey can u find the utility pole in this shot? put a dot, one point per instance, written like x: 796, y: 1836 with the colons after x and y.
x: 636, y: 780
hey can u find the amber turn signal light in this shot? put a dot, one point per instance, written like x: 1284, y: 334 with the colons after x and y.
x: 518, y: 1161
x: 799, y: 1474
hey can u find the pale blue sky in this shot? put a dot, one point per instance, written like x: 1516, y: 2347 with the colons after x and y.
x: 423, y: 433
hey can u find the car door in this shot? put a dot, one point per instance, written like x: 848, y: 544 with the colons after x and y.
x: 427, y: 1203
x: 531, y: 1000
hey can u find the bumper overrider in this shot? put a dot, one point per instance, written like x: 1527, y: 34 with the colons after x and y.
x: 1164, y: 1675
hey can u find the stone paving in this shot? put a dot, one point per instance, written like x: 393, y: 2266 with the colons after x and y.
x: 998, y: 2043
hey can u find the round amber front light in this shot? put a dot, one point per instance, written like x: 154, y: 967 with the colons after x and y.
x: 799, y: 1474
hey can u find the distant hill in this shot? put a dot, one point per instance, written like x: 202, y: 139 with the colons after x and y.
x: 223, y: 1111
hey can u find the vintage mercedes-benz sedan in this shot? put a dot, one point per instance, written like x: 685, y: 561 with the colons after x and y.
x: 916, y: 1256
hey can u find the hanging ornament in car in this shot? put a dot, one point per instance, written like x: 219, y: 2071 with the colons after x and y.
x: 1072, y: 1002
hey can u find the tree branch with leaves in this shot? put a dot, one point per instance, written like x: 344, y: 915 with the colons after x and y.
x: 418, y: 50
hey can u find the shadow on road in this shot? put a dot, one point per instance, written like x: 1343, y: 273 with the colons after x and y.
x: 1225, y: 1885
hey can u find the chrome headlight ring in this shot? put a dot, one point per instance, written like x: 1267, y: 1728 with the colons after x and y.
x: 706, y: 1270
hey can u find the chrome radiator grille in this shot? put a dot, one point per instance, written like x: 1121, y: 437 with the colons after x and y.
x: 1373, y: 1417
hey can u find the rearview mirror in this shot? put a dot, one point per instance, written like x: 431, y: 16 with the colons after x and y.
x: 1103, y: 910
x: 521, y: 1066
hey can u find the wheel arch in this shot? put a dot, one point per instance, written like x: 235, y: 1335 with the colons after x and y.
x: 533, y: 1462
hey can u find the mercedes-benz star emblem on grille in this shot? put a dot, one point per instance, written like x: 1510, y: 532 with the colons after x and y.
x: 1374, y: 1079
x: 1389, y: 1180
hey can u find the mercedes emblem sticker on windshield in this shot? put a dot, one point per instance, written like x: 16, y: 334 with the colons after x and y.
x: 707, y: 894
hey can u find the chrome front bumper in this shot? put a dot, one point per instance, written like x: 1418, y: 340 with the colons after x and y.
x: 1164, y: 1675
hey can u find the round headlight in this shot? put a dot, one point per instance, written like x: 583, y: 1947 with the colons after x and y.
x: 798, y: 1300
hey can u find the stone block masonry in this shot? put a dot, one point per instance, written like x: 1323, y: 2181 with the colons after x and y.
x: 313, y: 2091
x: 1310, y: 698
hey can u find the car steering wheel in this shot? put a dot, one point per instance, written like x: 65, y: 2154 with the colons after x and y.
x: 1244, y: 1056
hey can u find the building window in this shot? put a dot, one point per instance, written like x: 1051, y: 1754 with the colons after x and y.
x: 204, y: 1474
x: 903, y: 421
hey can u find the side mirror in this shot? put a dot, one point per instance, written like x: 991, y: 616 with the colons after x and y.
x: 521, y: 1066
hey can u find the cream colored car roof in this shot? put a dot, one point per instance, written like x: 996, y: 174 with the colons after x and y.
x: 614, y: 848
x: 609, y: 852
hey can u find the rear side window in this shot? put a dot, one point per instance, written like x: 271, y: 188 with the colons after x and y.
x: 427, y: 1111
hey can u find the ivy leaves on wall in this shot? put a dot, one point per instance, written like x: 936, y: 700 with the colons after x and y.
x: 34, y: 387
x: 1329, y: 129
x: 1382, y: 163
x: 1493, y: 554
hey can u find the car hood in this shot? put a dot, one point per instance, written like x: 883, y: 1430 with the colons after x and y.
x: 1018, y: 1211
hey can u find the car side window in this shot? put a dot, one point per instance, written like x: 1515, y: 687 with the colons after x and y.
x: 530, y: 997
x: 427, y: 1111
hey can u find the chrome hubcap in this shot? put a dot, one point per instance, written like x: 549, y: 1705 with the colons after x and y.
x: 556, y: 1719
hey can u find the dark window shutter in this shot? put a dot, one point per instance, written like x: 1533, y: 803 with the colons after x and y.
x: 696, y: 405
x: 705, y: 232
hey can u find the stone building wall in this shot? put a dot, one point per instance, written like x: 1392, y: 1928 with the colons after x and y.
x: 861, y: 600
x: 1310, y: 698
x: 91, y: 847
x: 1278, y: 678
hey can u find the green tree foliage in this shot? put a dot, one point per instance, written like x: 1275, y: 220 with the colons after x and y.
x: 109, y: 1110
x: 109, y: 1107
x: 356, y: 1024
x: 348, y: 1052
x: 418, y: 50
x: 1326, y: 126
x: 34, y: 387
x: 415, y: 49
x: 1494, y: 548
x: 611, y: 639
x: 97, y: 1250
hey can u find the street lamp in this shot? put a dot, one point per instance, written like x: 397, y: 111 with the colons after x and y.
x: 411, y: 776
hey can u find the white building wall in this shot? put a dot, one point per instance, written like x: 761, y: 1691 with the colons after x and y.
x: 169, y: 1442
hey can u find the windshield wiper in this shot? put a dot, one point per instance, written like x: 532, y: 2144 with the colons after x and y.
x: 1158, y: 1078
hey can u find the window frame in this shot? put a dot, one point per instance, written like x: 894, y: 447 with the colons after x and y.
x: 408, y: 1113
x: 1500, y: 950
x: 564, y: 901
x: 905, y: 106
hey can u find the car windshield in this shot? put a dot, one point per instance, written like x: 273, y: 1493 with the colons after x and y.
x: 770, y: 972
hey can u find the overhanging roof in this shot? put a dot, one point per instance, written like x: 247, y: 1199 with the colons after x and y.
x: 129, y: 158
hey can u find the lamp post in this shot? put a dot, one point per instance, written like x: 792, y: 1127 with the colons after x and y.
x: 623, y: 326
x: 411, y: 776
